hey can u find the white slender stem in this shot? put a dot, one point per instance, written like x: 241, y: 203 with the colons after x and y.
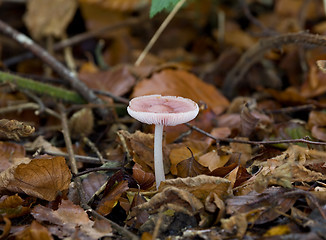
x: 158, y: 155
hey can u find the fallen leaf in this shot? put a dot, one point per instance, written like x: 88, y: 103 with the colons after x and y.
x: 141, y: 147
x: 144, y: 179
x: 181, y: 152
x: 71, y: 220
x: 117, y: 81
x: 183, y: 84
x: 175, y: 195
x: 248, y: 122
x: 44, y: 18
x: 200, y: 186
x: 110, y: 199
x: 42, y: 177
x: 213, y: 160
x: 34, y: 231
x: 92, y: 183
x: 236, y: 225
x: 12, y: 129
x: 13, y: 206
x: 81, y: 123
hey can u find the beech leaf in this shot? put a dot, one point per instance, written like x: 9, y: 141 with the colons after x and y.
x: 41, y: 177
x: 70, y: 217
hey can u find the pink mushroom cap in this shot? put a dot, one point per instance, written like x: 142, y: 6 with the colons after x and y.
x: 163, y: 110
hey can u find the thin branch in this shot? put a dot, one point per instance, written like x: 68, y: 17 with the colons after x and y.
x: 159, y: 32
x: 41, y: 88
x: 72, y: 160
x: 77, y: 39
x: 301, y: 140
x: 256, y: 52
x: 58, y: 67
x: 98, y: 169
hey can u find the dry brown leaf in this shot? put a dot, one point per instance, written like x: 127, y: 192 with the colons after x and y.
x: 12, y: 206
x: 42, y: 177
x: 49, y: 18
x: 144, y: 179
x: 141, y: 147
x: 200, y: 186
x: 35, y: 231
x: 213, y: 160
x: 243, y: 152
x: 190, y: 167
x: 181, y: 152
x: 81, y: 123
x: 117, y: 81
x: 174, y: 195
x: 41, y: 143
x: 184, y: 84
x: 316, y: 118
x: 214, y: 204
x: 71, y: 220
x: 12, y: 129
x: 111, y: 198
x: 93, y: 183
x: 248, y: 122
x: 236, y: 222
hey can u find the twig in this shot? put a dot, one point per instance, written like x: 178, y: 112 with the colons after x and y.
x: 159, y: 32
x: 80, y: 158
x: 41, y: 88
x: 307, y: 107
x: 98, y: 169
x: 25, y: 106
x: 114, y: 97
x: 90, y: 144
x: 256, y: 52
x: 58, y: 67
x: 72, y: 160
x: 301, y: 140
x: 77, y: 39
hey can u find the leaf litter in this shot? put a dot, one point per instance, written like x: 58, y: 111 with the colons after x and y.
x: 250, y: 166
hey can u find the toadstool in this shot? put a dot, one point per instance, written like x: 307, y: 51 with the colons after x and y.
x: 161, y: 111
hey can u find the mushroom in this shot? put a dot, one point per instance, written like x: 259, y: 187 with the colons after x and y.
x: 161, y: 111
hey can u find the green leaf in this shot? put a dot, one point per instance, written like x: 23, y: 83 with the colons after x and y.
x: 159, y: 5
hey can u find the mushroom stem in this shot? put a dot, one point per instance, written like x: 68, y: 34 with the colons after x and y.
x: 158, y: 155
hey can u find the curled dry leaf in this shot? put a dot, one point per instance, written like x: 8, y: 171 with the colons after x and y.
x: 42, y: 17
x: 184, y: 84
x: 213, y: 160
x: 111, y: 198
x: 174, y: 195
x: 41, y: 177
x: 41, y: 143
x: 34, y: 231
x: 81, y: 123
x: 200, y: 186
x: 141, y: 147
x: 248, y: 122
x: 12, y: 129
x: 264, y: 207
x: 12, y: 206
x: 70, y: 219
x: 236, y: 222
x: 144, y: 179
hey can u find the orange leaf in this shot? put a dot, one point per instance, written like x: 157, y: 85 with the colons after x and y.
x: 12, y: 206
x: 144, y: 179
x: 111, y: 198
x: 41, y: 177
x: 34, y: 231
x: 184, y: 84
x: 190, y: 167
